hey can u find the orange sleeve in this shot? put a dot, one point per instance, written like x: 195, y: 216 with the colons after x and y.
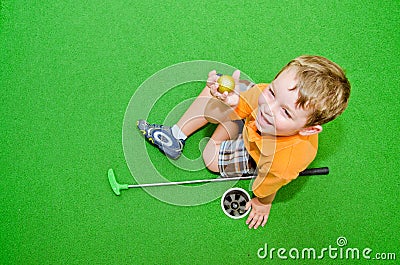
x: 286, y: 166
x: 268, y: 180
x: 265, y: 186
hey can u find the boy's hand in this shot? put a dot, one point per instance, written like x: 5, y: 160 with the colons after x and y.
x: 259, y: 213
x: 231, y: 98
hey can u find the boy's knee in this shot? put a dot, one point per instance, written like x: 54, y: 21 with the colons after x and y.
x: 210, y: 156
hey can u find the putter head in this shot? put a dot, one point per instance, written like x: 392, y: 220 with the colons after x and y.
x: 116, y: 187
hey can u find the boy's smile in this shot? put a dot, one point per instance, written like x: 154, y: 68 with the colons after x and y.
x: 277, y: 113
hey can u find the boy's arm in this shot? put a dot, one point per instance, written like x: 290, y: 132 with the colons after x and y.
x: 260, y: 211
x: 221, y: 106
x: 267, y: 200
x: 265, y: 188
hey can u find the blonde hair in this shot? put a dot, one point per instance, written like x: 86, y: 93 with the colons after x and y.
x: 323, y: 88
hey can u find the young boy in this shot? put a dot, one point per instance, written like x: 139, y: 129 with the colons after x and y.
x: 279, y: 138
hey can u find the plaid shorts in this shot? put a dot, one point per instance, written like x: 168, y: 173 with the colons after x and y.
x: 234, y: 160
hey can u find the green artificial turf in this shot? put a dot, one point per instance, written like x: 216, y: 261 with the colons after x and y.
x: 68, y: 72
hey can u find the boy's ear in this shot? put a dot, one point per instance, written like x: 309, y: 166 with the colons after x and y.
x: 310, y: 130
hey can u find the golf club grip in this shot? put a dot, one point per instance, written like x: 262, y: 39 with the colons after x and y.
x: 315, y: 171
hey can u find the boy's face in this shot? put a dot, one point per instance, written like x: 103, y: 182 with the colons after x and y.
x: 277, y: 114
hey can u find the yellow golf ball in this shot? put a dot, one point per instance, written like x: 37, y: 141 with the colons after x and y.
x: 226, y: 83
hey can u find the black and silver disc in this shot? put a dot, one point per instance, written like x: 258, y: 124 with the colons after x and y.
x: 234, y: 201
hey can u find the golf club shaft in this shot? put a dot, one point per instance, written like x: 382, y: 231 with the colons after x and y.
x: 187, y: 182
x: 307, y: 172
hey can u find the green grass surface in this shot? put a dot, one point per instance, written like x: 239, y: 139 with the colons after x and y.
x: 68, y: 70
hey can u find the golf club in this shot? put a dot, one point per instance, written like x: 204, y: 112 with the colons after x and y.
x: 117, y: 187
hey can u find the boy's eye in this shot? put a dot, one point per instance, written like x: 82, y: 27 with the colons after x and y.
x: 271, y: 92
x: 287, y: 113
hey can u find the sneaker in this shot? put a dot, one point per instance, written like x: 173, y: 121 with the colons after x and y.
x: 162, y: 137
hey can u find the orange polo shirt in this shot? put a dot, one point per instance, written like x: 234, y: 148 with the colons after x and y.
x: 279, y: 159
